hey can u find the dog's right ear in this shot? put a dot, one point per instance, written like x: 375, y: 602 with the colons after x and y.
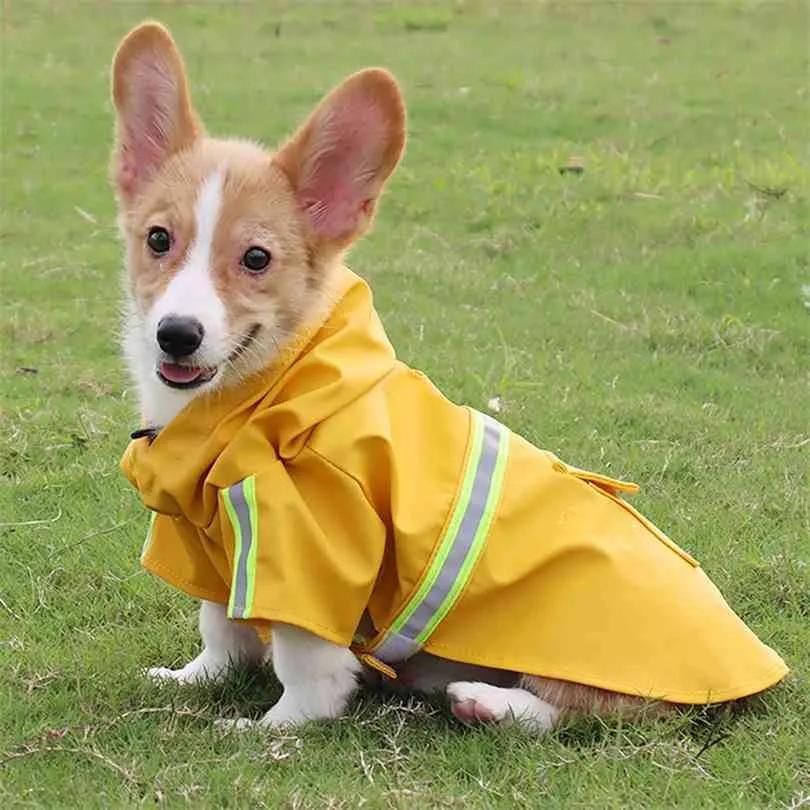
x: 154, y: 115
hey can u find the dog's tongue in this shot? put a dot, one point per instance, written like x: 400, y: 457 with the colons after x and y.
x: 180, y: 374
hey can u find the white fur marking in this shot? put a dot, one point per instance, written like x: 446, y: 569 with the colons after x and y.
x: 190, y: 293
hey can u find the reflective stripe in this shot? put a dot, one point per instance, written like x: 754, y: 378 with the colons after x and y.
x: 460, y: 546
x: 148, y: 540
x: 240, y: 506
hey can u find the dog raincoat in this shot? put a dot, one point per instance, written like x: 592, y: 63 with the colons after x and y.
x: 340, y: 481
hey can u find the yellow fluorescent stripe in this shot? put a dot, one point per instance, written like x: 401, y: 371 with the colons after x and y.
x: 493, y: 497
x: 237, y: 541
x: 150, y: 529
x: 450, y: 533
x: 253, y: 510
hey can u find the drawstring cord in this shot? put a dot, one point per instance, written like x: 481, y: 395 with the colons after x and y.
x: 369, y: 660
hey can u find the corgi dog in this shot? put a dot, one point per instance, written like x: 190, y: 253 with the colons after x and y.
x: 237, y: 296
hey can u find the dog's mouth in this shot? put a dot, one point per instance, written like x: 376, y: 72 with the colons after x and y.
x: 177, y: 375
x: 185, y: 376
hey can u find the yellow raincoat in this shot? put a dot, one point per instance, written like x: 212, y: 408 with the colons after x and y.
x: 341, y: 481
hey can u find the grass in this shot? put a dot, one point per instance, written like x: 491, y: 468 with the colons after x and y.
x: 646, y: 318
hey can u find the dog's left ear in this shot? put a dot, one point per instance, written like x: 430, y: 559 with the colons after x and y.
x: 341, y: 157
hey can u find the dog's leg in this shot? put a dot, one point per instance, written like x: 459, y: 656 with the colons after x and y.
x: 431, y: 675
x: 226, y: 643
x: 474, y: 701
x: 578, y: 699
x: 319, y: 679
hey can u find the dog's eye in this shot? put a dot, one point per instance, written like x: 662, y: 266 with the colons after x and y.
x: 255, y: 260
x: 158, y: 240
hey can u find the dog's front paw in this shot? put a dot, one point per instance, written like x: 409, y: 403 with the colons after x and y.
x: 165, y: 674
x: 239, y: 724
x: 189, y: 674
x: 273, y: 719
x: 205, y: 667
x: 285, y: 714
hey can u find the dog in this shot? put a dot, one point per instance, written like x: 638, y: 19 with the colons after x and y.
x: 329, y: 507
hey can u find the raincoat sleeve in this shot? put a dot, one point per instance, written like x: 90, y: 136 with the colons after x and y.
x: 181, y: 554
x: 304, y: 546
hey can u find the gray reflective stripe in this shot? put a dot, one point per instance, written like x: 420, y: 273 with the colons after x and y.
x: 397, y: 648
x: 414, y: 634
x: 239, y: 514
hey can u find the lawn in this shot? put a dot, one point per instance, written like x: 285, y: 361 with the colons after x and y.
x: 649, y: 317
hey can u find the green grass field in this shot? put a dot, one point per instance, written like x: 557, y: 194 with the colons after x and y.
x: 646, y: 318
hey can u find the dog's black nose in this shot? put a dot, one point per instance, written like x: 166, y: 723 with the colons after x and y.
x: 179, y: 336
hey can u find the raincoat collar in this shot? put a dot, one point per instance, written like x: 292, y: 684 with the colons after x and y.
x: 337, y: 358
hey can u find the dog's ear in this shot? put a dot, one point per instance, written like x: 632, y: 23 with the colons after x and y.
x: 341, y: 157
x: 154, y: 116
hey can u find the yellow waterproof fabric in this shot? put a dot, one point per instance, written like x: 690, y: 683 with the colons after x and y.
x: 357, y: 462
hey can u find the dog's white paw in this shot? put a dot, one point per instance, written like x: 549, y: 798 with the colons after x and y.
x: 239, y: 724
x: 205, y: 667
x: 285, y: 714
x: 276, y: 718
x: 476, y: 702
x: 165, y: 674
x: 189, y: 674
